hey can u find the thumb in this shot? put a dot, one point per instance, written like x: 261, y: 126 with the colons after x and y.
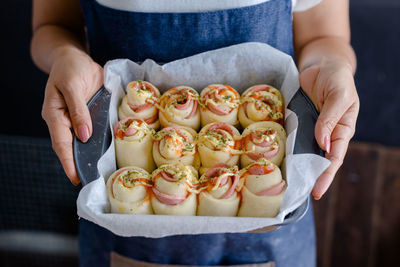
x: 332, y: 110
x: 78, y: 112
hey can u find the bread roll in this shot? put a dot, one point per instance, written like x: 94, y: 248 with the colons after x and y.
x: 174, y: 144
x: 128, y: 190
x: 265, y: 139
x: 219, y: 103
x: 133, y: 144
x: 174, y: 190
x: 139, y: 103
x: 262, y: 189
x: 261, y: 103
x: 179, y: 106
x: 218, y: 196
x: 218, y: 142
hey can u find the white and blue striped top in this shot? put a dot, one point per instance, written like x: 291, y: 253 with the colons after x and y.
x: 193, y: 5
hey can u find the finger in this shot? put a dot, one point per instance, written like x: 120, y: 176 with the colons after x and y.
x: 339, y: 148
x: 332, y: 110
x: 340, y: 141
x: 77, y: 108
x: 61, y: 138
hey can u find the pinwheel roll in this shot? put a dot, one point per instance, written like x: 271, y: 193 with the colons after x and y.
x: 140, y: 102
x: 219, y: 103
x: 218, y: 196
x: 133, y: 144
x: 218, y: 142
x: 179, y: 106
x: 261, y: 103
x: 262, y: 189
x: 129, y: 191
x: 265, y: 139
x: 174, y: 190
x: 174, y: 144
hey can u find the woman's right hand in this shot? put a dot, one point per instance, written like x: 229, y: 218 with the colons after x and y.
x: 74, y: 78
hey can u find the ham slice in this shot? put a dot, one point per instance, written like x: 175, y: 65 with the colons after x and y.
x: 217, y: 170
x: 140, y: 108
x: 213, y: 171
x: 221, y: 111
x: 151, y: 119
x: 129, y: 131
x: 145, y: 85
x: 184, y: 105
x: 261, y: 87
x: 167, y: 198
x: 245, y: 109
x: 167, y: 176
x: 256, y: 170
x: 274, y: 190
x: 223, y: 181
x: 267, y: 154
x: 231, y: 190
x: 263, y: 143
x: 193, y: 112
x: 222, y: 126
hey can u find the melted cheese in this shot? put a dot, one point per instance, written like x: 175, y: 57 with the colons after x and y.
x: 142, y: 131
x: 215, y: 140
x: 130, y: 185
x: 185, y: 177
x: 173, y: 145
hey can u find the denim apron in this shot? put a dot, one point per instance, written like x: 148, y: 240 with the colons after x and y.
x: 164, y: 37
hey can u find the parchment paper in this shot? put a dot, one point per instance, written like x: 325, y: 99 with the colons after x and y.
x: 240, y: 66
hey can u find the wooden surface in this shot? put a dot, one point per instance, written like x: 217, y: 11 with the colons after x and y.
x: 358, y: 220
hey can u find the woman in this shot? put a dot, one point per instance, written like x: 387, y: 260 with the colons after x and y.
x: 168, y: 30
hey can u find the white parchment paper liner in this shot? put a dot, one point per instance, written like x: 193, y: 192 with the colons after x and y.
x: 240, y: 66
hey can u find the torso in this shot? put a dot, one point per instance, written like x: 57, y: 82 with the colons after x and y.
x: 114, y: 32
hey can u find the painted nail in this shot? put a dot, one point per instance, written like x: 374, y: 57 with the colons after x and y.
x: 327, y: 142
x: 83, y: 133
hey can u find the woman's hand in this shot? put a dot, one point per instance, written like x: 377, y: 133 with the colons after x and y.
x: 74, y: 78
x: 330, y: 85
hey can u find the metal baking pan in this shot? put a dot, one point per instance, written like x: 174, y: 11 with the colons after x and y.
x: 87, y: 154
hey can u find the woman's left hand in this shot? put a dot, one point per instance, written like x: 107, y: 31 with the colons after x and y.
x: 330, y: 86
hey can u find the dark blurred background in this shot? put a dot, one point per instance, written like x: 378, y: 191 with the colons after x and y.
x: 358, y: 221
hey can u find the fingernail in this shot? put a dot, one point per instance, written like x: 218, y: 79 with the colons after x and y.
x: 83, y: 133
x: 317, y: 197
x: 327, y: 142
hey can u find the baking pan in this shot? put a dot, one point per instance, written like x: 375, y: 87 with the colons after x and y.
x: 87, y: 154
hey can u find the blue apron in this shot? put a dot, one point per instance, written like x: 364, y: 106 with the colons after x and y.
x: 164, y: 37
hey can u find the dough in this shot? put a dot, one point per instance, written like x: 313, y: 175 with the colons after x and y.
x: 218, y: 143
x: 140, y: 102
x: 218, y: 196
x: 219, y: 103
x: 264, y: 139
x: 128, y: 190
x: 174, y: 144
x: 179, y: 106
x: 133, y: 144
x: 261, y: 103
x: 262, y: 189
x: 174, y: 190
